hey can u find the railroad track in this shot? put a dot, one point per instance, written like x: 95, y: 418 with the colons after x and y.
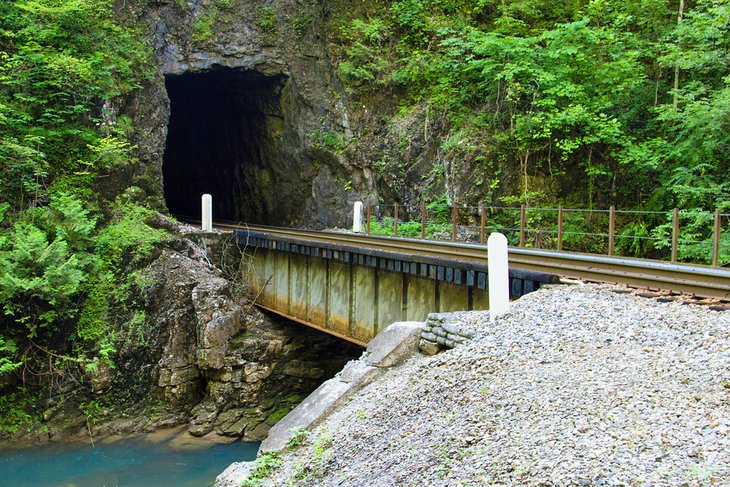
x: 696, y: 280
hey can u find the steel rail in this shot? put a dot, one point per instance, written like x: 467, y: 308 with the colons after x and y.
x: 701, y: 281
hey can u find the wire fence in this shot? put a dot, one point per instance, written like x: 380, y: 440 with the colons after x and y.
x: 699, y: 237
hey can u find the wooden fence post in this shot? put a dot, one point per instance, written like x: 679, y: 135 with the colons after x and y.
x: 423, y: 219
x: 522, y: 225
x: 675, y: 234
x: 560, y: 228
x: 716, y: 242
x: 611, y: 228
x: 367, y: 224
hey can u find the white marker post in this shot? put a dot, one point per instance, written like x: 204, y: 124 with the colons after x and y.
x: 357, y: 217
x: 207, y: 220
x: 497, y: 268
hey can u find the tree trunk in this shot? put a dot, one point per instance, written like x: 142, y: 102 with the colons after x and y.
x: 680, y: 16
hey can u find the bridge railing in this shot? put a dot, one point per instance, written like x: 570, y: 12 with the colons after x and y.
x: 692, y: 236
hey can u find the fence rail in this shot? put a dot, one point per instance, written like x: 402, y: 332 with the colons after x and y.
x: 676, y: 236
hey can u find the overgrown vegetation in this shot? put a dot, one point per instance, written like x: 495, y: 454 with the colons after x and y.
x: 594, y: 102
x: 266, y: 20
x: 64, y: 252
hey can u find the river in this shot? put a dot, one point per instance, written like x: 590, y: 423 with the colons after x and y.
x: 166, y: 458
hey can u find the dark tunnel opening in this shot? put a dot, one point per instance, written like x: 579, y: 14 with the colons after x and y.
x: 224, y: 138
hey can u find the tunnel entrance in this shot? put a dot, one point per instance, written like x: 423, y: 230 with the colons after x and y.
x: 225, y: 139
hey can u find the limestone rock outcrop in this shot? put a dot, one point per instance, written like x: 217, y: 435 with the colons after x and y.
x: 216, y: 358
x: 256, y: 103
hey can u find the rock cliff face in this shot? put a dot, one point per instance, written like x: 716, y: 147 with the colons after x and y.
x: 212, y: 353
x: 246, y: 106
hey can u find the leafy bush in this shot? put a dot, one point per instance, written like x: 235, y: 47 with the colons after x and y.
x: 127, y: 231
x: 263, y: 466
x: 7, y: 353
x: 64, y: 66
x: 579, y: 93
x: 365, y: 59
x: 44, y: 261
x: 61, y: 63
x: 16, y: 411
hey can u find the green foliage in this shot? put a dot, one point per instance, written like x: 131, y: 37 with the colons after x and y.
x: 328, y: 139
x: 91, y: 410
x: 695, y: 242
x: 301, y: 23
x: 64, y: 67
x: 61, y: 62
x: 92, y: 324
x: 634, y: 240
x: 263, y: 466
x: 62, y: 275
x: 298, y: 436
x: 409, y: 229
x: 137, y: 328
x: 266, y: 20
x: 384, y: 226
x: 44, y: 262
x: 7, y: 353
x: 413, y: 19
x: 365, y: 57
x: 126, y: 232
x: 440, y: 209
x: 203, y: 26
x: 124, y: 240
x: 16, y: 411
x: 579, y: 93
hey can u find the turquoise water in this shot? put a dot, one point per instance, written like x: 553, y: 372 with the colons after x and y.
x: 134, y: 462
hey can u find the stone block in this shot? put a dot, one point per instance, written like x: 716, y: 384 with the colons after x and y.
x: 452, y: 328
x: 428, y: 336
x: 468, y: 333
x: 228, y: 417
x: 394, y: 344
x: 254, y: 372
x: 456, y: 338
x: 177, y: 376
x: 358, y: 372
x: 223, y: 375
x: 233, y: 429
x: 428, y: 347
x: 439, y: 331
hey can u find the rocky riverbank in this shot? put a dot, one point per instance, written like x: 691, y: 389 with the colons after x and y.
x: 577, y: 385
x: 193, y: 350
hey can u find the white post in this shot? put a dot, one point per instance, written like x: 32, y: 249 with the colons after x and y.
x: 497, y: 268
x: 357, y: 217
x: 207, y: 205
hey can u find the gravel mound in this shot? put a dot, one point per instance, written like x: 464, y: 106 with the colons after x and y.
x: 576, y: 385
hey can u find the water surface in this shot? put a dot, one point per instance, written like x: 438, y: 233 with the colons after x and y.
x: 150, y: 461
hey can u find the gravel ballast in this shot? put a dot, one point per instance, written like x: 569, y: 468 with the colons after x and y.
x: 578, y: 384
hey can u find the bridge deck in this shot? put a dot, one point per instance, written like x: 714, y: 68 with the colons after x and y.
x: 356, y: 291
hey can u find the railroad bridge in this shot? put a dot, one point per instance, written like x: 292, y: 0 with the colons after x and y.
x: 354, y: 290
x: 353, y: 286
